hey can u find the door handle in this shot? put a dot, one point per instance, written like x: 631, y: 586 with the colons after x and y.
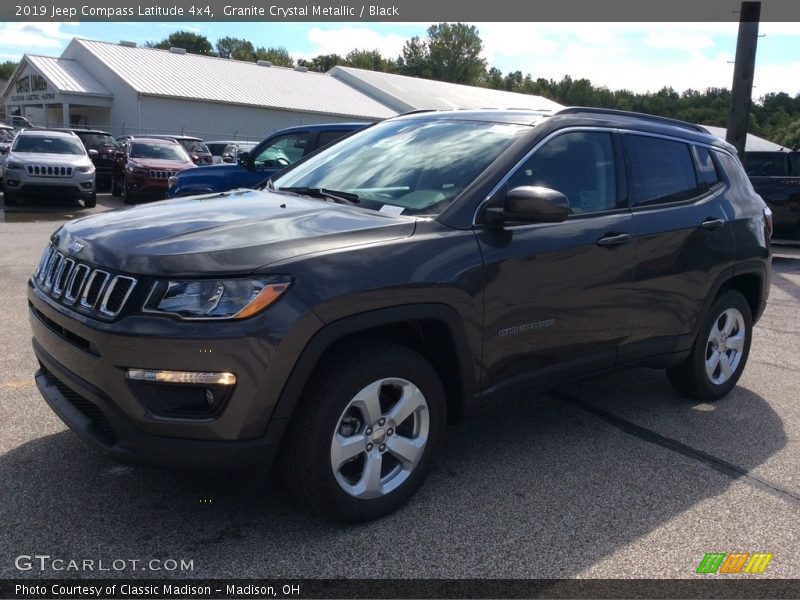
x: 614, y: 239
x: 712, y: 224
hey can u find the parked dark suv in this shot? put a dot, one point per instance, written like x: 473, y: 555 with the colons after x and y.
x: 377, y: 290
x: 776, y: 178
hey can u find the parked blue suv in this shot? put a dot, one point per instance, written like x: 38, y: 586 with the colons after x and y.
x: 279, y: 150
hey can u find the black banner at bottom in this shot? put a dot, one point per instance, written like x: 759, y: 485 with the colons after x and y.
x: 224, y: 589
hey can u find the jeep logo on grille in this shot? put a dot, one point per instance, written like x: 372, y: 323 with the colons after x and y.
x: 76, y: 246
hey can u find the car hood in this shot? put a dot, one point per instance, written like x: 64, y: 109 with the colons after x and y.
x: 43, y: 158
x: 234, y: 232
x: 154, y: 163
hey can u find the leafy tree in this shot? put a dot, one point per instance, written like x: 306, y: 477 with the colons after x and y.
x: 371, y: 60
x: 277, y: 56
x: 454, y: 51
x: 7, y: 69
x: 192, y: 42
x: 322, y: 63
x: 239, y: 49
x: 415, y: 59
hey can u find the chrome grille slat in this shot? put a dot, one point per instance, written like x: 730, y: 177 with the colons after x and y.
x: 49, y: 171
x: 69, y: 281
x: 161, y: 174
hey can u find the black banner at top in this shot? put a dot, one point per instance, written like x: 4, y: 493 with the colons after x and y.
x: 391, y: 10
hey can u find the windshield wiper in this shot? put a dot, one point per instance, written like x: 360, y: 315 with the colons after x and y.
x: 324, y: 193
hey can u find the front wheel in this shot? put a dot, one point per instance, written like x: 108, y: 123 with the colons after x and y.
x: 126, y: 195
x: 366, y: 434
x: 720, y: 351
x: 91, y: 201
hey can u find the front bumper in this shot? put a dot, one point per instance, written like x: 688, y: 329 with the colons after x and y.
x: 82, y: 377
x: 146, y: 187
x: 71, y: 188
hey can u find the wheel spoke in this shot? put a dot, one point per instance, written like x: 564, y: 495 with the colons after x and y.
x: 406, y: 450
x: 711, y: 365
x: 736, y: 342
x: 368, y: 402
x: 369, y: 486
x: 411, y: 401
x: 344, y: 448
x: 725, y: 367
x: 715, y: 336
x: 730, y: 321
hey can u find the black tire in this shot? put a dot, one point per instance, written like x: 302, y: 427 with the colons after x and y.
x: 90, y: 202
x: 306, y: 459
x: 126, y: 195
x: 9, y: 199
x: 691, y: 377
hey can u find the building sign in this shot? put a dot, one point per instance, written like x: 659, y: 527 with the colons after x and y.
x: 30, y: 89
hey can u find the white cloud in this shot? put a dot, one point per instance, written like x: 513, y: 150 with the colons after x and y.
x: 28, y: 36
x: 682, y: 41
x: 343, y: 40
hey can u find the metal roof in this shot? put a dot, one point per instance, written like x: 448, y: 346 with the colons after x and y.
x: 66, y: 75
x: 410, y: 93
x: 753, y: 143
x: 163, y: 73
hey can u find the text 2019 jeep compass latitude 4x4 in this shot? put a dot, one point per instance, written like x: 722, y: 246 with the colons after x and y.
x: 421, y: 268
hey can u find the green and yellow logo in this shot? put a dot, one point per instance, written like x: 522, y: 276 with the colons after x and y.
x: 734, y: 562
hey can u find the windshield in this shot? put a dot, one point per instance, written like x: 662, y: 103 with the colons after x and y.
x: 406, y: 166
x: 98, y: 141
x: 194, y: 146
x: 158, y: 151
x: 48, y: 145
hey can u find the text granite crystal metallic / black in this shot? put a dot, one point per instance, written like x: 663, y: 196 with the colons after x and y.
x: 337, y: 319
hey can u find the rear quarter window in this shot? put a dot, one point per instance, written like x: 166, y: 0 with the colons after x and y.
x: 660, y: 170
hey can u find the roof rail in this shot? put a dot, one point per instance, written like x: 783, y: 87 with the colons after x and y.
x: 418, y: 110
x: 624, y: 113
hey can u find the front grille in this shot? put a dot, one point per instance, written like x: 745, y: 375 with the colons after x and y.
x: 86, y: 407
x: 161, y: 174
x: 49, y: 171
x: 71, y: 282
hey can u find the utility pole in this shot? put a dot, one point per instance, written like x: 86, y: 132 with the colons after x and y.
x: 743, y: 70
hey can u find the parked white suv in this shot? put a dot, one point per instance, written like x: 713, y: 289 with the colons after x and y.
x: 6, y: 137
x: 46, y: 163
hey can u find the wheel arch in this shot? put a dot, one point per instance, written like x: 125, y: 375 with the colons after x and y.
x: 433, y: 330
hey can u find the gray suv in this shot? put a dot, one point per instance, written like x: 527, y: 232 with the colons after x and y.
x: 46, y: 163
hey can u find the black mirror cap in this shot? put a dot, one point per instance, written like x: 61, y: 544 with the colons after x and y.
x: 3, y: 149
x: 535, y: 204
x: 244, y: 160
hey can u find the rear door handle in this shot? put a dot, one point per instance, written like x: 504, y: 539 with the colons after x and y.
x: 712, y: 224
x: 614, y: 239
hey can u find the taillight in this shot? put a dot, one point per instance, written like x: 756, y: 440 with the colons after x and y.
x: 768, y: 219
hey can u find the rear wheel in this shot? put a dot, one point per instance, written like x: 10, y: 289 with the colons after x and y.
x: 366, y: 434
x: 720, y: 351
x: 116, y: 188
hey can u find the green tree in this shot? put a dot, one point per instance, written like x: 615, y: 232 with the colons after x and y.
x: 454, y: 51
x: 372, y: 60
x: 322, y: 63
x: 415, y: 59
x: 236, y: 48
x: 7, y: 69
x: 192, y: 42
x: 279, y: 57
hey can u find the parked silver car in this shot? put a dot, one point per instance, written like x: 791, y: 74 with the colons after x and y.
x: 44, y: 163
x: 6, y: 137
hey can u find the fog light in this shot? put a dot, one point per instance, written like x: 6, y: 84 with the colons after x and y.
x: 190, y: 377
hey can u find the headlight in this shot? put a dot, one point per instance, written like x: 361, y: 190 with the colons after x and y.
x: 172, y: 181
x: 14, y: 165
x: 137, y: 170
x: 88, y: 169
x: 216, y: 299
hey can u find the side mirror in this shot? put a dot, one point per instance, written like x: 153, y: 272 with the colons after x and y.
x: 92, y: 153
x: 530, y: 204
x: 246, y: 161
x: 3, y: 150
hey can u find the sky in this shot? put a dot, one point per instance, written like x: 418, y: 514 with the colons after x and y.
x: 640, y: 57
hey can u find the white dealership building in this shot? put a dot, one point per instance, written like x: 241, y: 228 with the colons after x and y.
x: 125, y: 89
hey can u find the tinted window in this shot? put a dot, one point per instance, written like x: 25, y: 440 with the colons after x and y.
x: 707, y: 175
x: 580, y: 165
x: 326, y: 137
x: 98, y: 141
x: 157, y: 151
x: 767, y: 164
x: 660, y: 170
x: 194, y: 146
x: 217, y: 148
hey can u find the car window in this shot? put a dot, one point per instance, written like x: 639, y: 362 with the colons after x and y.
x: 194, y: 146
x: 660, y: 170
x: 707, y: 174
x: 578, y: 164
x: 291, y: 147
x: 6, y: 135
x: 48, y: 145
x: 767, y: 164
x: 98, y: 141
x: 217, y: 149
x: 326, y: 137
x: 157, y: 151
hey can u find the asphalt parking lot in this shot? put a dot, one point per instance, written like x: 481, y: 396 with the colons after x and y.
x: 613, y: 477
